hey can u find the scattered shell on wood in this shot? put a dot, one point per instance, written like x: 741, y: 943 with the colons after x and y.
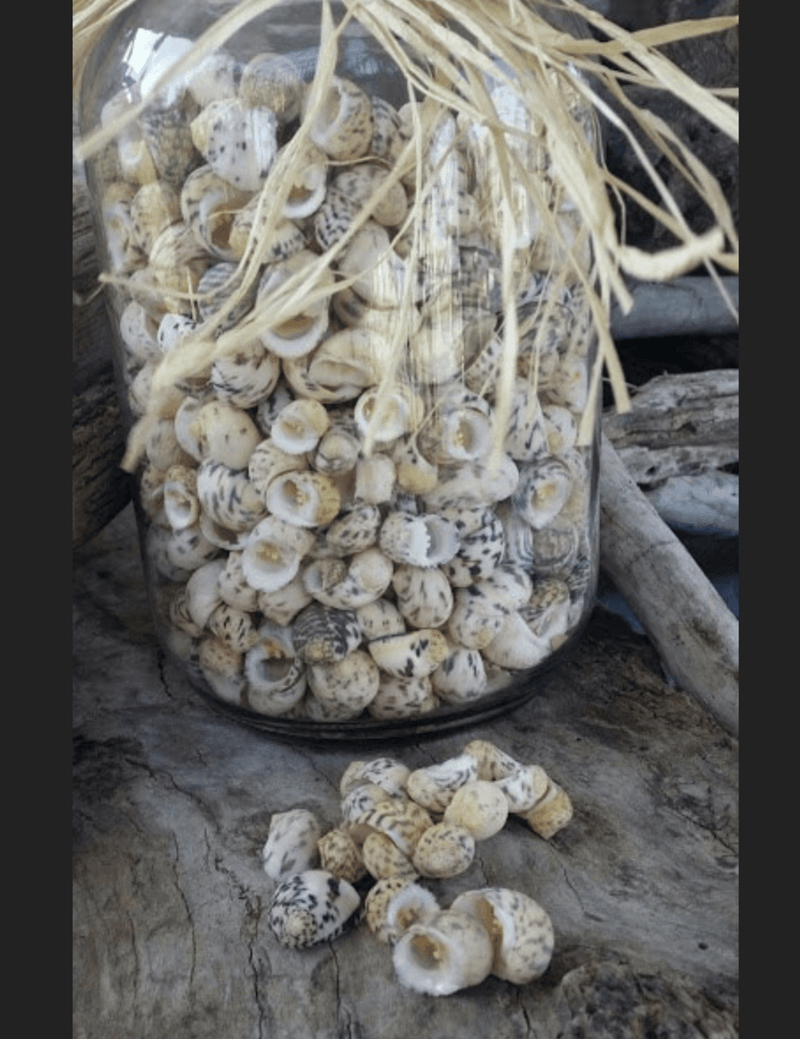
x: 523, y: 787
x: 444, y: 850
x: 480, y: 807
x: 387, y: 773
x: 376, y: 904
x: 340, y: 855
x: 443, y: 954
x: 310, y: 907
x: 382, y: 858
x: 291, y: 845
x: 491, y: 762
x: 551, y: 813
x: 433, y: 786
x: 404, y: 821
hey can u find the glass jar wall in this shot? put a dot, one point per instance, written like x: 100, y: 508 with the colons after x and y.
x: 347, y: 529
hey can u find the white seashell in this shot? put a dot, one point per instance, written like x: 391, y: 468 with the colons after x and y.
x: 298, y: 334
x: 474, y: 483
x: 350, y: 683
x: 276, y: 678
x: 273, y: 552
x: 324, y: 634
x: 363, y: 181
x: 403, y: 698
x: 161, y: 444
x: 214, y: 77
x: 342, y: 128
x: 233, y: 586
x: 221, y: 668
x: 461, y: 677
x: 286, y: 240
x: 349, y: 585
x: 555, y: 548
x: 221, y: 536
x: 379, y: 273
x: 124, y: 251
x: 424, y: 595
x: 561, y: 428
x: 310, y: 907
x: 189, y: 548
x: 547, y: 611
x: 267, y: 462
x: 225, y: 433
x: 208, y: 205
x: 523, y: 787
x: 359, y: 801
x: 515, y: 645
x: 480, y: 807
x: 476, y: 618
x: 387, y: 773
x: 202, y: 591
x: 386, y: 415
x: 154, y: 207
x: 492, y: 762
x: 338, y: 449
x: 340, y: 855
x: 245, y: 377
x: 350, y: 357
x: 273, y: 81
x: 282, y: 605
x: 181, y: 504
x: 216, y: 289
x: 227, y: 496
x: 433, y: 786
x: 379, y: 618
x: 423, y: 540
x: 542, y: 491
x: 375, y: 480
x: 443, y: 954
x: 444, y: 850
x: 307, y: 191
x: 299, y: 425
x: 411, y: 905
x: 291, y: 845
x: 239, y: 142
x: 518, y: 537
x: 481, y: 543
x: 388, y: 135
x: 521, y: 931
x: 138, y: 330
x: 304, y: 498
x: 415, y: 654
x: 526, y: 435
x: 136, y: 162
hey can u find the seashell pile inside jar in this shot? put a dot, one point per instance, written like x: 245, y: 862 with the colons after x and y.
x: 324, y: 545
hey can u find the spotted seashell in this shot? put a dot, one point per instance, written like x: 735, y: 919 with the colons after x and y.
x: 433, y: 786
x: 269, y: 408
x: 184, y: 421
x: 208, y: 205
x: 238, y: 141
x: 338, y: 450
x: 124, y: 251
x: 202, y: 591
x: 273, y: 81
x: 221, y: 667
x: 388, y: 135
x: 309, y: 184
x: 283, y: 604
x: 298, y: 332
x: 481, y: 543
x: 267, y: 462
x: 444, y: 850
x: 508, y: 585
x: 378, y: 618
x: 403, y: 698
x: 189, y: 548
x: 244, y: 378
x: 518, y: 537
x: 424, y: 595
x: 551, y: 813
x: 213, y: 78
x: 461, y: 430
x: 547, y: 611
x: 555, y: 548
x: 161, y: 444
x: 286, y: 239
x: 476, y: 618
x: 378, y: 272
x: 492, y: 762
x: 359, y: 801
x: 299, y: 425
x: 415, y: 474
x: 324, y: 634
x: 135, y: 160
x: 304, y: 498
x: 310, y: 907
x: 177, y: 262
x: 480, y: 807
x: 474, y: 483
x: 403, y: 821
x: 350, y: 357
x: 333, y: 218
x: 225, y: 433
x: 166, y: 131
x: 363, y: 181
x: 515, y: 645
x: 172, y: 329
x: 233, y: 626
x: 422, y: 540
x: 221, y: 536
x: 345, y: 685
x: 523, y: 787
x: 382, y: 858
x: 570, y: 384
x: 276, y: 677
x: 340, y: 855
x: 342, y: 127
x: 157, y: 541
x: 461, y: 676
x: 376, y: 904
x: 520, y: 930
x: 154, y: 207
x: 526, y: 434
x: 543, y: 489
x: 138, y: 330
x: 355, y: 530
x: 291, y: 845
x: 217, y: 289
x: 416, y: 654
x: 273, y: 552
x: 387, y: 773
x: 233, y: 587
x: 561, y: 428
x: 350, y: 585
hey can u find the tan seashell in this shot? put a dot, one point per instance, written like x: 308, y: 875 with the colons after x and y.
x: 444, y: 850
x: 376, y: 905
x: 221, y: 666
x: 434, y: 786
x: 299, y: 426
x: 523, y: 787
x: 234, y: 626
x: 282, y: 605
x: 233, y: 586
x: 208, y: 205
x: 350, y: 357
x: 225, y: 433
x: 348, y: 684
x: 124, y: 251
x: 138, y: 330
x: 403, y: 698
x: 375, y: 479
x: 382, y: 858
x: 480, y: 807
x: 492, y: 762
x: 378, y: 272
x: 244, y: 378
x: 551, y: 814
x: 324, y: 634
x: 298, y: 334
x: 189, y: 548
x: 424, y: 595
x: 154, y: 207
x: 286, y: 240
x: 309, y: 186
x: 304, y: 498
x: 276, y: 677
x: 340, y: 855
x: 349, y: 585
x: 423, y: 540
x: 268, y: 461
x: 213, y: 78
x: 273, y: 81
x: 166, y: 130
x: 416, y: 654
x: 363, y: 181
x: 342, y: 128
x: 387, y: 773
x: 380, y: 617
x: 387, y: 415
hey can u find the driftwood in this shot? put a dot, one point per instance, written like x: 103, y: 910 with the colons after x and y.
x: 696, y: 635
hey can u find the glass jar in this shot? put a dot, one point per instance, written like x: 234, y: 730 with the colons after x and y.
x: 360, y: 515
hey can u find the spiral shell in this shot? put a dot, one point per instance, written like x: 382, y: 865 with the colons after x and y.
x: 237, y: 141
x: 310, y: 907
x: 291, y: 845
x: 342, y: 128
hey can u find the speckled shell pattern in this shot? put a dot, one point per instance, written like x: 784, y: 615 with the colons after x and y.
x: 350, y: 568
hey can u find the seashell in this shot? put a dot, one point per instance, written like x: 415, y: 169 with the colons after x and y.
x: 267, y: 462
x: 140, y: 389
x: 355, y: 530
x: 476, y: 618
x: 388, y: 136
x: 227, y: 496
x: 340, y: 855
x: 351, y: 357
x: 376, y: 904
x: 304, y: 498
x: 387, y: 773
x: 221, y: 666
x: 347, y: 684
x: 382, y: 858
x: 404, y: 822
x: 273, y: 552
x: 492, y: 762
x: 153, y: 208
x: 443, y: 954
x: 415, y: 654
x: 542, y: 491
x: 508, y: 585
x: 213, y: 78
x: 202, y: 591
x: 222, y: 536
x: 172, y: 329
x: 189, y: 548
x: 384, y: 416
x: 156, y: 550
x: 233, y: 587
x: 324, y: 634
x: 481, y: 544
x: 291, y: 845
x: 521, y: 931
x: 378, y: 273
x: 286, y: 240
x: 414, y: 472
x: 161, y: 445
x: 216, y: 291
x: 474, y: 483
x: 551, y: 813
x: 239, y: 142
x: 403, y: 698
x: 359, y: 801
x: 246, y: 377
x: 523, y: 787
x: 273, y: 81
x: 308, y: 189
x: 349, y: 585
x: 461, y: 676
x: 276, y: 678
x: 135, y: 160
x: 297, y: 334
x: 310, y: 907
x: 234, y: 626
x: 436, y: 348
x: 526, y: 435
x: 124, y: 251
x: 375, y: 480
x: 424, y: 540
x: 363, y: 181
x: 208, y: 205
x: 515, y: 645
x: 282, y: 605
x: 547, y: 610
x: 333, y: 218
x: 379, y: 618
x: 298, y: 426
x: 479, y: 807
x: 166, y: 132
x: 560, y: 427
x: 138, y: 330
x: 225, y: 433
x: 424, y: 595
x: 555, y: 548
x: 433, y: 787
x: 444, y: 850
x: 337, y: 451
x: 177, y: 262
x: 342, y: 127
x: 518, y: 537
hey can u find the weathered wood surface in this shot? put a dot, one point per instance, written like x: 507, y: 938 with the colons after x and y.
x: 172, y: 806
